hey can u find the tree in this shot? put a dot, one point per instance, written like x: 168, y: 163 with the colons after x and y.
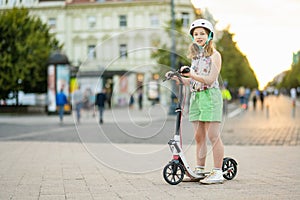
x: 162, y: 54
x: 292, y: 77
x: 235, y: 66
x: 25, y: 46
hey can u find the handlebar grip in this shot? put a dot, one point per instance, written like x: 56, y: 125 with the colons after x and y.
x: 185, y: 70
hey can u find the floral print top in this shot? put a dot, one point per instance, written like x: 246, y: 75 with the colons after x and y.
x: 202, y: 66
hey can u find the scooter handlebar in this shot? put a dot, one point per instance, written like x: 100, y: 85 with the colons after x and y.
x: 170, y: 75
x: 176, y: 73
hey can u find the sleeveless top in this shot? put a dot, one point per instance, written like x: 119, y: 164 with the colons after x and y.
x: 202, y: 66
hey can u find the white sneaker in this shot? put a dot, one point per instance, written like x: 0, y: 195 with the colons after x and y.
x: 199, y: 171
x: 215, y: 176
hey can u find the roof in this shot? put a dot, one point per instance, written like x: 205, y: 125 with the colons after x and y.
x: 58, y: 58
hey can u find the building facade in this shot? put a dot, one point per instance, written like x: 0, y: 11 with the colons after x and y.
x: 111, y: 41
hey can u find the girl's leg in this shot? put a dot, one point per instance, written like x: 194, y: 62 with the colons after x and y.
x: 61, y: 113
x: 217, y: 144
x: 200, y: 139
x: 101, y: 113
x: 101, y: 110
x: 78, y: 112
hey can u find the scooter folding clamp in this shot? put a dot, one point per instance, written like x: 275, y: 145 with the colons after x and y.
x: 173, y: 143
x: 178, y: 110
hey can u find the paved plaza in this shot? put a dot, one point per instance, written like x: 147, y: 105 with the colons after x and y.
x: 123, y: 158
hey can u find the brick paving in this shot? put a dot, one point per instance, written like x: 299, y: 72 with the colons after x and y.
x: 48, y: 162
x: 35, y: 170
x: 272, y: 126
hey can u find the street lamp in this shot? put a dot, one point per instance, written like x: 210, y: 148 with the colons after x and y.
x: 173, y: 59
x: 18, y: 89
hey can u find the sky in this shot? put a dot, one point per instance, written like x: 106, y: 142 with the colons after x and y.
x: 266, y: 31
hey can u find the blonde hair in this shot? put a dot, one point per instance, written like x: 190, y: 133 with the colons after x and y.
x: 194, y: 50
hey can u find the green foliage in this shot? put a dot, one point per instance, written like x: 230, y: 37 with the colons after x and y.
x: 236, y: 69
x: 163, y: 52
x: 25, y: 46
x: 292, y: 77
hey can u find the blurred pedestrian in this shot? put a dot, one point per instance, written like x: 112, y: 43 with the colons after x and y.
x: 293, y: 94
x: 131, y: 101
x: 247, y: 96
x: 78, y: 102
x: 241, y: 94
x: 262, y: 98
x: 92, y: 99
x: 276, y: 92
x: 254, y: 99
x: 61, y: 101
x: 108, y: 99
x: 226, y: 98
x: 100, y: 102
x: 87, y: 104
x: 140, y: 98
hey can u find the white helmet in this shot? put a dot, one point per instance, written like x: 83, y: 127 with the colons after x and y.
x: 202, y: 23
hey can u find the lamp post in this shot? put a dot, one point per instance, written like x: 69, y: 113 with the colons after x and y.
x: 18, y: 89
x: 173, y: 59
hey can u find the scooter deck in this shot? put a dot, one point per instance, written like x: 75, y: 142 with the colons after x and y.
x: 188, y: 179
x: 193, y: 179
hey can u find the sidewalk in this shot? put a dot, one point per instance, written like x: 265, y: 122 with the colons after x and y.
x: 33, y: 170
x: 73, y: 170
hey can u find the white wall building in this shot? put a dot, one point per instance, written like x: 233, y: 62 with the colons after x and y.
x: 110, y: 40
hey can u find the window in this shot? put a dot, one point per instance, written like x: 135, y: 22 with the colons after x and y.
x: 91, y: 21
x: 91, y: 52
x: 123, y: 51
x: 185, y: 19
x: 2, y: 2
x: 52, y: 23
x: 123, y: 20
x: 12, y: 2
x: 154, y: 20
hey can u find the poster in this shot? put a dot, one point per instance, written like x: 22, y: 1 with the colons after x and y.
x: 123, y: 84
x: 51, y: 93
x: 63, y: 82
x: 153, y: 90
x: 63, y: 79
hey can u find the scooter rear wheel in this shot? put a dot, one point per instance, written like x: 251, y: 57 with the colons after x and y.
x: 229, y: 166
x: 173, y: 173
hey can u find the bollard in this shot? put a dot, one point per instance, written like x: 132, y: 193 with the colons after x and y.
x: 294, y: 108
x: 267, y: 111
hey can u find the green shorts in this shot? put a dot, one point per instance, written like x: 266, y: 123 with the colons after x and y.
x: 206, y: 106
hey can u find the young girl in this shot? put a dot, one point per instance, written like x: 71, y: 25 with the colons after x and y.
x: 206, y: 99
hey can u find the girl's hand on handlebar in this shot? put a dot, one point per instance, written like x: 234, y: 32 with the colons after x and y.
x: 170, y: 75
x: 187, y: 71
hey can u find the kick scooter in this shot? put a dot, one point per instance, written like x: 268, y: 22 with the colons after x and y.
x: 175, y: 170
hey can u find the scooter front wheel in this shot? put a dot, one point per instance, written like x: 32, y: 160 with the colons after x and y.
x: 229, y: 168
x: 173, y: 173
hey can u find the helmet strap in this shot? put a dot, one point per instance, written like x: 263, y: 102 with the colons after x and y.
x: 192, y: 38
x: 208, y: 39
